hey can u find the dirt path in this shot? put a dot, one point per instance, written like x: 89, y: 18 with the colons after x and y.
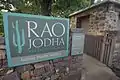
x: 94, y: 70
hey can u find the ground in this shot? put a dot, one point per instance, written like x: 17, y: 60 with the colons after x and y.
x: 95, y: 70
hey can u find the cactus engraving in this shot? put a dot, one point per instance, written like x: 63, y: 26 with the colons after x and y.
x: 18, y: 43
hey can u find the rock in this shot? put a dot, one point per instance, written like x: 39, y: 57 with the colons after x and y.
x: 3, y: 71
x: 25, y: 75
x: 36, y: 78
x: 2, y: 47
x: 4, y: 63
x: 57, y: 60
x: 1, y: 77
x: 2, y: 40
x: 48, y: 78
x: 38, y: 65
x: 39, y: 71
x: 9, y: 71
x: 54, y: 77
x: 49, y: 68
x: 2, y: 54
x: 12, y: 76
x: 67, y: 69
x: 24, y: 68
x: 42, y: 64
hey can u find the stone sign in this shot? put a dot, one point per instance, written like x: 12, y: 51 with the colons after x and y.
x: 32, y: 38
x: 77, y: 41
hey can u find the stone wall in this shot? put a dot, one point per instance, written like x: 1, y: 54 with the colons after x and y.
x: 104, y: 19
x: 116, y: 52
x: 101, y: 18
x: 67, y: 68
x: 97, y: 21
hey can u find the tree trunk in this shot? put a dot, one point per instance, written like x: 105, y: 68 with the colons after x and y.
x: 46, y: 7
x: 92, y: 2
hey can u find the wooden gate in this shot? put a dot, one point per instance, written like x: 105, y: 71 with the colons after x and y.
x: 108, y: 47
x: 93, y: 46
x: 100, y: 47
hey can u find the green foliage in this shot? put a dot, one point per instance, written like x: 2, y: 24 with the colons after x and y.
x: 27, y: 6
x: 63, y: 8
x: 58, y: 8
x: 1, y: 24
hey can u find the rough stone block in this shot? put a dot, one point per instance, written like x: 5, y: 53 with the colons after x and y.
x: 41, y: 64
x: 25, y: 75
x: 54, y: 77
x: 49, y: 68
x: 47, y: 78
x: 3, y: 63
x: 39, y: 71
x: 3, y: 71
x: 36, y: 78
x: 9, y: 71
x: 1, y: 77
x: 57, y: 60
x: 24, y: 68
x: 12, y: 76
x: 2, y: 47
x: 2, y: 54
x: 2, y: 40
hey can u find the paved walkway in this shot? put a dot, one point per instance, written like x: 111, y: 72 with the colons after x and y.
x: 94, y: 70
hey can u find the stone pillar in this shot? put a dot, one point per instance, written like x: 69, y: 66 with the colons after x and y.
x: 73, y: 22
